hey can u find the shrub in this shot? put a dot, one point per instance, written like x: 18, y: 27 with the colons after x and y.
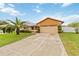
x: 10, y: 29
x: 60, y: 29
x: 76, y: 30
x: 25, y: 31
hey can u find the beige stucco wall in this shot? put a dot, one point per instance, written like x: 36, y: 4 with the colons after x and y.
x: 49, y: 29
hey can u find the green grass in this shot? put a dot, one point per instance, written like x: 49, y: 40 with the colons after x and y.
x: 11, y: 37
x: 71, y: 43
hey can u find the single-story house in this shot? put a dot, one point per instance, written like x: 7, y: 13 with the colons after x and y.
x: 49, y: 25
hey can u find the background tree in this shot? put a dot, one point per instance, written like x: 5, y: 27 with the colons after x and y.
x: 18, y: 24
x: 6, y: 27
x: 75, y: 25
x: 10, y: 28
x: 3, y: 25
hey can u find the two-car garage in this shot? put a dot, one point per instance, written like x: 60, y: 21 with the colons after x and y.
x: 49, y: 25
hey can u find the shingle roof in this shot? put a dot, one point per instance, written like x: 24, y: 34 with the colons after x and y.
x: 51, y: 19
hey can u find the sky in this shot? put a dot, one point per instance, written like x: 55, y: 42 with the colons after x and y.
x: 34, y: 12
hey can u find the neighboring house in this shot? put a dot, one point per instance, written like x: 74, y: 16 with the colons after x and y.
x: 49, y: 25
x: 32, y: 27
x: 29, y: 26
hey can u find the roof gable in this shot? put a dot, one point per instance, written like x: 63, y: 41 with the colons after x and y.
x: 50, y: 20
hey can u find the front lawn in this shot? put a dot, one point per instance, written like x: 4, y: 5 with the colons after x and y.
x: 12, y: 37
x: 71, y: 43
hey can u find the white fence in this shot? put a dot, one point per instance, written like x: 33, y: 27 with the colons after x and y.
x: 68, y: 29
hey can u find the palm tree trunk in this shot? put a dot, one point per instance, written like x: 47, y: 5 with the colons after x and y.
x: 17, y: 31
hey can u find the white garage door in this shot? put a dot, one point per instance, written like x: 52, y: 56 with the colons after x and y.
x: 49, y: 29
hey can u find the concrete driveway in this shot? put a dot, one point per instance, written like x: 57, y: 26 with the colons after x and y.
x: 42, y: 44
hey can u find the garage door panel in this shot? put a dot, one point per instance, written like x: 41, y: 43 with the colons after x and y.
x: 49, y: 29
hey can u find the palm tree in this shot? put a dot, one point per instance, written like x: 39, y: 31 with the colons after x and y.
x: 75, y: 25
x: 18, y: 23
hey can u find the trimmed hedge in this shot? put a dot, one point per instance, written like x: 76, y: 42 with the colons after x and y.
x: 25, y: 31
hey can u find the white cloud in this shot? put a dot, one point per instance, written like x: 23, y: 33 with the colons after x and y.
x: 56, y: 3
x: 11, y: 5
x: 71, y: 18
x: 37, y: 6
x: 66, y: 4
x: 41, y: 3
x: 9, y: 10
x: 2, y: 5
x: 37, y: 10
